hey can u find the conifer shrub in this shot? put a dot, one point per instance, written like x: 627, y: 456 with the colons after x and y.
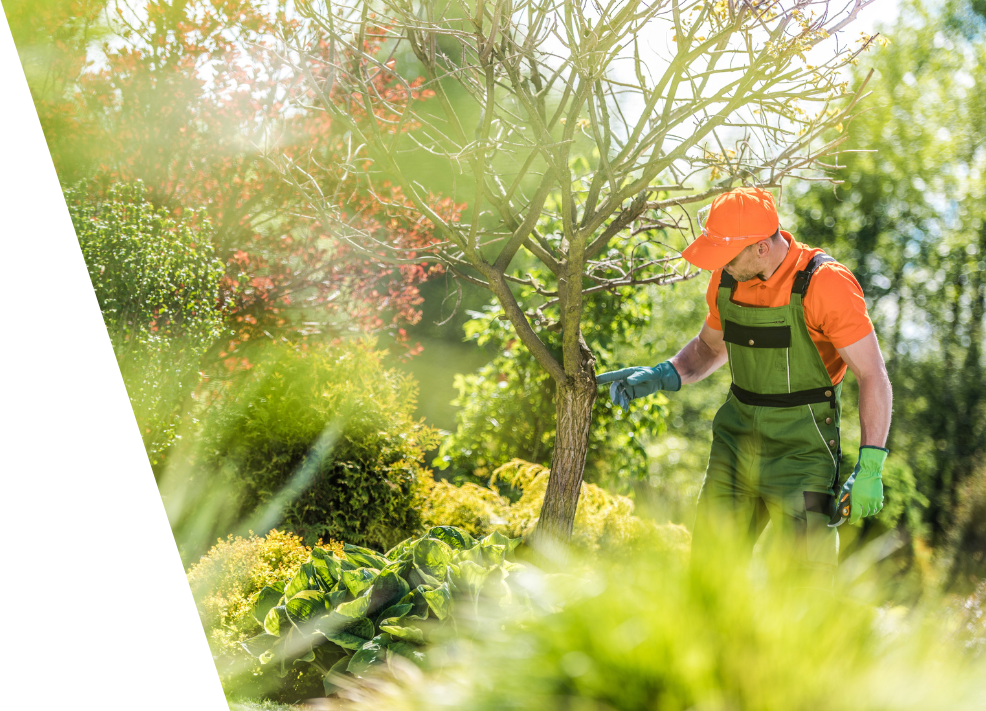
x: 473, y: 508
x: 319, y: 441
x: 157, y: 280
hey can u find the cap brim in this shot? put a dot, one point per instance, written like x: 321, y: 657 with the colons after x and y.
x: 706, y: 255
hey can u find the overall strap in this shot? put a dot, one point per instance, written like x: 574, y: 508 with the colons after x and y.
x: 803, y: 278
x: 726, y: 281
x: 727, y: 285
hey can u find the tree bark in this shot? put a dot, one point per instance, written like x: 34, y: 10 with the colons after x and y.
x: 573, y: 408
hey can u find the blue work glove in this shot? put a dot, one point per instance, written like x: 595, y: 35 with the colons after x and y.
x: 631, y: 383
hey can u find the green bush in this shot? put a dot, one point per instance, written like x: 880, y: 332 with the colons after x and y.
x: 321, y: 441
x: 354, y: 611
x: 157, y: 282
x: 508, y: 408
x: 476, y: 509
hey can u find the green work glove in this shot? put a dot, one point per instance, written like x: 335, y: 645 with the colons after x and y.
x: 867, y: 486
x: 630, y: 383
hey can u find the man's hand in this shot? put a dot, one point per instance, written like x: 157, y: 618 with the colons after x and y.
x: 630, y: 383
x: 867, y: 488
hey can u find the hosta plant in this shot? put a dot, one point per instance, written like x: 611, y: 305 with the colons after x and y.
x: 345, y: 614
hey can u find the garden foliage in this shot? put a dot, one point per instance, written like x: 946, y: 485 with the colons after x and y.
x: 190, y: 97
x: 157, y: 281
x: 350, y: 612
x: 225, y: 578
x: 507, y: 408
x: 910, y: 221
x: 603, y: 521
x: 321, y: 441
x: 645, y: 634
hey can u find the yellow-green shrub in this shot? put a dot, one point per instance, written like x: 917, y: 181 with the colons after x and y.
x: 601, y: 519
x: 223, y: 582
x: 471, y: 507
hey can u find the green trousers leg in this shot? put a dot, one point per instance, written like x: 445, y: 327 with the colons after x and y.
x: 732, y: 514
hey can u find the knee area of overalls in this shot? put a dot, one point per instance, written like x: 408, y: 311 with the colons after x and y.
x: 821, y: 540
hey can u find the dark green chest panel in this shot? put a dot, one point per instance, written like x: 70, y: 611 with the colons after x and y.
x: 774, y: 362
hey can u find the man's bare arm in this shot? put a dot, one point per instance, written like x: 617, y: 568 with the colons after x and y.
x: 875, y: 394
x: 701, y: 356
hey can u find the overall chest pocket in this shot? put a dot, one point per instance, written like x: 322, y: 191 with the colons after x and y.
x: 756, y: 336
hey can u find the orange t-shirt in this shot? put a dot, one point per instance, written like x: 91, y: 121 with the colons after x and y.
x: 835, y: 311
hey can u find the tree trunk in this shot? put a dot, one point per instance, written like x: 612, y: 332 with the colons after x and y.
x: 573, y: 407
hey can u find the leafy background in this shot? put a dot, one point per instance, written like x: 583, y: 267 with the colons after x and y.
x: 271, y: 421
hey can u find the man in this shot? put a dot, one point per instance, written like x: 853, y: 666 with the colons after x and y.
x: 790, y: 321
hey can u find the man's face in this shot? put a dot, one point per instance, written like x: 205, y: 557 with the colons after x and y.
x: 746, y: 265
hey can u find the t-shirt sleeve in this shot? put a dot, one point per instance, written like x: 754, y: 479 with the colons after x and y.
x: 711, y: 295
x: 836, y: 307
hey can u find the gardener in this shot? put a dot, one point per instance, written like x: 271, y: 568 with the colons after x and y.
x: 790, y: 320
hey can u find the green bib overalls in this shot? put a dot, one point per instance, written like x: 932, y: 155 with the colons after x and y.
x: 775, y: 441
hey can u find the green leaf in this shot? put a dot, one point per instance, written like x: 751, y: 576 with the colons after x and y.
x: 356, y: 581
x: 455, y: 537
x: 496, y: 546
x: 408, y: 651
x: 324, y: 579
x: 336, y: 597
x: 257, y: 646
x: 402, y: 567
x: 439, y: 600
x: 496, y: 585
x: 474, y: 554
x: 326, y: 653
x: 419, y: 606
x: 353, y: 609
x: 419, y: 578
x: 494, y: 555
x: 373, y: 652
x: 335, y: 670
x: 469, y: 577
x: 387, y: 589
x: 395, y: 611
x: 348, y: 634
x: 305, y: 605
x: 361, y: 628
x: 432, y: 556
x: 398, y: 550
x: 304, y: 579
x: 264, y: 599
x: 277, y: 622
x: 408, y: 634
x: 365, y: 557
x: 322, y: 559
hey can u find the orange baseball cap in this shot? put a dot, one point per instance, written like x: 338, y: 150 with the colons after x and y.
x: 736, y: 219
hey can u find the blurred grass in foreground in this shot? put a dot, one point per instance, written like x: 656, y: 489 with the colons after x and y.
x: 649, y: 634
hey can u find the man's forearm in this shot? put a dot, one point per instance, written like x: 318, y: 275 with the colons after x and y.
x: 697, y: 360
x: 875, y: 405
